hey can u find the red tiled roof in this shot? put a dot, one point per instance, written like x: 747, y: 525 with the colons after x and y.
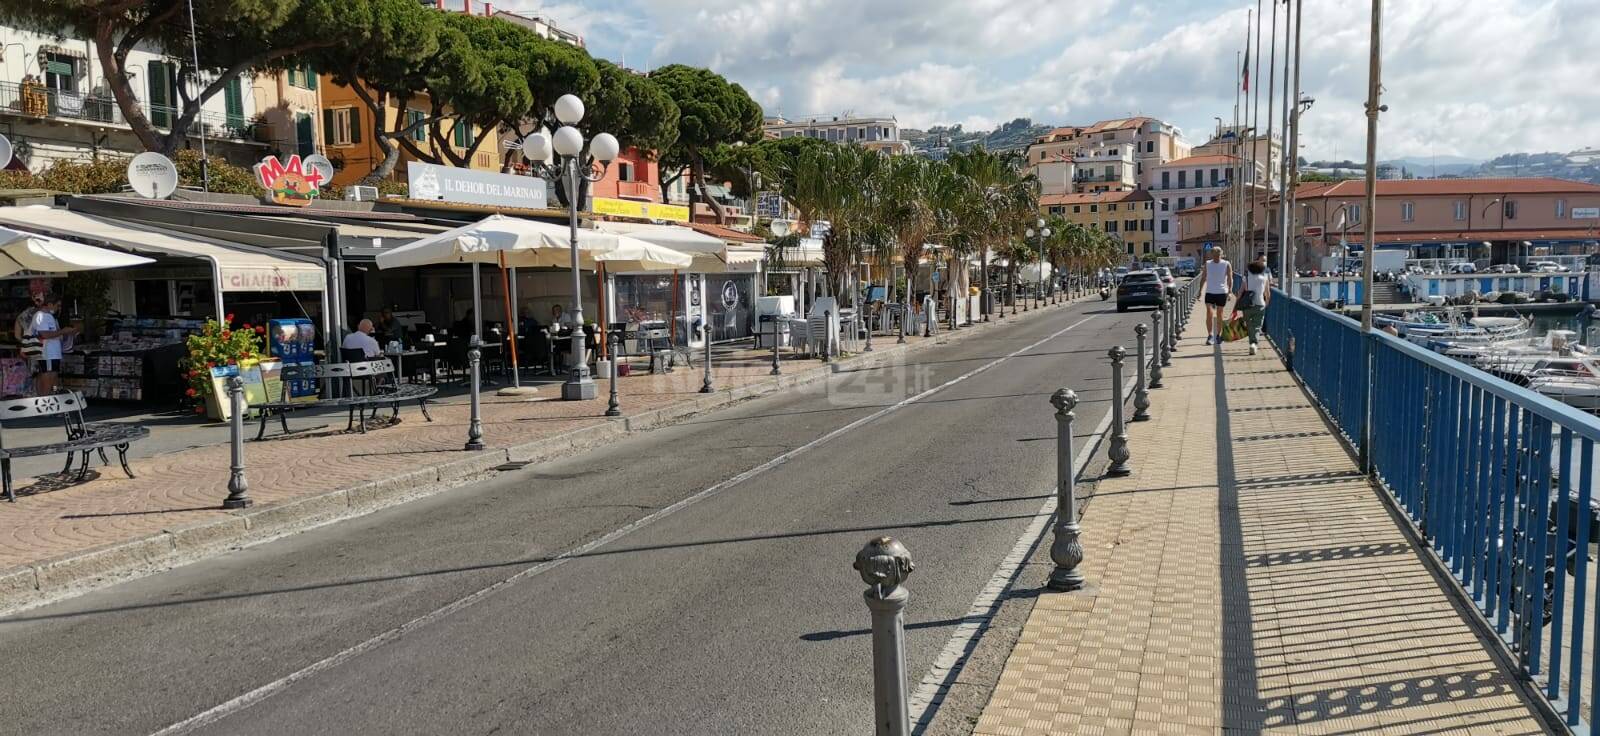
x: 1444, y: 187
x: 725, y: 233
x: 1476, y: 235
x: 1130, y: 195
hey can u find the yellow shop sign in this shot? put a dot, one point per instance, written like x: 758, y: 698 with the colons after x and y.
x: 645, y: 210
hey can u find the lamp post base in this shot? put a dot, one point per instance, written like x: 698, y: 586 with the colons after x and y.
x: 524, y: 392
x: 579, y: 389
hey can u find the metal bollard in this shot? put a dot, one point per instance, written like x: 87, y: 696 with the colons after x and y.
x: 905, y: 317
x: 884, y: 563
x: 613, y: 408
x: 1157, y: 324
x: 705, y: 335
x: 1066, y: 551
x: 1141, y: 396
x: 475, y: 425
x: 827, y: 339
x: 1118, y: 451
x: 1174, y: 326
x: 237, y: 485
x: 775, y: 370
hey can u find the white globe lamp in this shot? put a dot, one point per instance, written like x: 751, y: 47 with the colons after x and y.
x: 569, y: 109
x: 536, y: 148
x: 568, y: 141
x: 605, y: 148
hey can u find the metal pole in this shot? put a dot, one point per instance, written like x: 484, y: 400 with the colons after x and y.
x: 705, y: 336
x: 1141, y: 396
x: 775, y: 370
x: 194, y: 51
x: 1118, y: 451
x: 511, y: 290
x: 237, y: 485
x: 613, y: 408
x: 1169, y: 332
x: 1294, y: 149
x: 475, y: 424
x: 884, y: 563
x: 579, y: 386
x: 827, y: 327
x: 1066, y: 551
x: 1158, y: 322
x: 1374, y: 90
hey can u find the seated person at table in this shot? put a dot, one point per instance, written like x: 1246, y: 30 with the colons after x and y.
x: 388, y: 327
x: 362, y: 338
x: 464, y: 327
x: 528, y: 325
x: 560, y: 320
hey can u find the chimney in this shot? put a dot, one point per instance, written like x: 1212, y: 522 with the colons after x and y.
x: 488, y: 10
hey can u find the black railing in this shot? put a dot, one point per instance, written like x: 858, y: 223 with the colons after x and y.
x: 36, y: 100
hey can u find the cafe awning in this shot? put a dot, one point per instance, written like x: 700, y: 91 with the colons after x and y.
x: 235, y: 267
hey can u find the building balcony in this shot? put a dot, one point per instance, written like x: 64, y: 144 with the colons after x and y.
x: 38, y: 101
x: 636, y: 190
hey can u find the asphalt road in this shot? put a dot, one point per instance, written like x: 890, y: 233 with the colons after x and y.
x: 711, y: 591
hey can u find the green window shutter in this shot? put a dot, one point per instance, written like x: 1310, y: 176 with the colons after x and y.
x: 327, y: 128
x: 158, y: 94
x: 459, y: 134
x: 355, y: 125
x: 418, y: 133
x: 294, y: 76
x: 233, y: 97
x: 311, y: 77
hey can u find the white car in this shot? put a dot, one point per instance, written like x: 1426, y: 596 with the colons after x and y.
x: 1546, y: 267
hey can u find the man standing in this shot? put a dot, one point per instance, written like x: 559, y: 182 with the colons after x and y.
x: 48, y: 332
x: 1219, y: 281
x: 363, y: 340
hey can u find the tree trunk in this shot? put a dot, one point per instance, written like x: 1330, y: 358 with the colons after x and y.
x: 116, y: 76
x: 697, y: 169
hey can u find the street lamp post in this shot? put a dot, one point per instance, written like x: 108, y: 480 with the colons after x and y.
x: 1043, y: 234
x: 568, y: 161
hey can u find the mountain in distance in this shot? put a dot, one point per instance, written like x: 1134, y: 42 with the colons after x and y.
x: 1012, y: 136
x: 1434, y: 166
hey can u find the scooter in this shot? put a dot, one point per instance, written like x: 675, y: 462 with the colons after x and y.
x: 1105, y: 293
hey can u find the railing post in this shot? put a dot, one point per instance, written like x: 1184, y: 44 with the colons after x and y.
x: 1174, y: 326
x: 1157, y: 324
x: 1368, y: 345
x: 1118, y: 451
x: 1141, y: 396
x: 238, y: 487
x: 1066, y: 551
x: 884, y: 563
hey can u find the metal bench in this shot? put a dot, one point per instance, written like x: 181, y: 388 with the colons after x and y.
x: 379, y: 395
x: 81, y: 437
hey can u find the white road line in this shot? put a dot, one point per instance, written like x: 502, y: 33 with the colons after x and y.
x: 936, y: 684
x: 276, y: 686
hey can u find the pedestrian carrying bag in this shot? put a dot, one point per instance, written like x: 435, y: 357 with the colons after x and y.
x: 1234, y: 329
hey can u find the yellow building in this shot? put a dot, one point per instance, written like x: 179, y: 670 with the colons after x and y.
x: 347, y: 137
x: 1124, y: 215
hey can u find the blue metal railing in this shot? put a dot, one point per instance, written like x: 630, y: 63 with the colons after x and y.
x: 1496, y: 478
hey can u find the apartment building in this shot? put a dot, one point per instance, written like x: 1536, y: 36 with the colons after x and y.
x: 1499, y: 220
x: 1126, y: 215
x: 877, y: 133
x: 1110, y: 155
x: 55, y: 104
x: 1266, y: 151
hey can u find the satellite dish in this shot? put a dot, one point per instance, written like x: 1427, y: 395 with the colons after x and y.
x: 5, y: 152
x: 152, y: 175
x: 320, y: 164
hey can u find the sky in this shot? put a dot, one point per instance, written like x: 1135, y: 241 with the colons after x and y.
x: 1472, y: 78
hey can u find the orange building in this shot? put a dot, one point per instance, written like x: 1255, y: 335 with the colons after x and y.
x: 347, y: 137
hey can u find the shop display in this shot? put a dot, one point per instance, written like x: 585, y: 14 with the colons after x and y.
x: 294, y: 342
x: 138, y: 357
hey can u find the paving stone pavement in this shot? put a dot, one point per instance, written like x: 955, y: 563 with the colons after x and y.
x: 1247, y: 579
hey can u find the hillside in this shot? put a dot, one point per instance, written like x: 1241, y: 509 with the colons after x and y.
x: 1012, y: 136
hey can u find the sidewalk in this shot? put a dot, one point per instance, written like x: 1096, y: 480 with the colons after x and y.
x: 60, y: 538
x: 1247, y: 579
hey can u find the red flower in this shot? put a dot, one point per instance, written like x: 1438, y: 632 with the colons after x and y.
x: 199, y: 410
x: 192, y: 392
x: 226, y: 335
x: 194, y: 374
x: 210, y: 364
x: 246, y: 325
x: 230, y: 318
x: 261, y: 330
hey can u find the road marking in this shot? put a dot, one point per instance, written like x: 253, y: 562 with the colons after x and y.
x: 923, y: 704
x: 270, y: 689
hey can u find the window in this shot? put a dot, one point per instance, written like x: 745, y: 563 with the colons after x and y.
x: 1461, y: 209
x: 1511, y: 209
x: 1213, y: 198
x: 1041, y: 156
x: 1110, y: 172
x: 233, y: 102
x: 1163, y: 204
x: 461, y: 134
x: 1111, y: 226
x: 624, y: 171
x: 61, y: 72
x: 1164, y: 224
x: 163, y: 81
x: 861, y: 133
x: 341, y: 126
x: 1183, y: 182
x: 1113, y: 151
x: 1199, y: 177
x: 1352, y: 214
x: 305, y: 134
x: 1149, y: 146
x: 1561, y: 209
x: 1408, y: 212
x: 1216, y: 177
x: 1094, y: 208
x: 1182, y: 202
x: 418, y: 132
x: 1077, y: 209
x: 1131, y: 226
x: 303, y: 77
x: 1111, y: 207
x: 1057, y: 210
x: 1166, y: 180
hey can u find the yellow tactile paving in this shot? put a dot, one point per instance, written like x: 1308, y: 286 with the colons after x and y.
x: 1246, y: 579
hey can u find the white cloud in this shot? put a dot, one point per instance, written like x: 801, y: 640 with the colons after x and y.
x: 1473, y: 78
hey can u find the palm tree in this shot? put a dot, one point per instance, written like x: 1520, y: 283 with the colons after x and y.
x: 990, y: 175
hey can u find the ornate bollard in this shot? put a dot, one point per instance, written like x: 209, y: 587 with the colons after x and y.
x: 884, y: 564
x: 1118, y: 451
x: 1174, y: 326
x: 237, y: 485
x: 475, y: 425
x: 1157, y: 324
x: 1066, y: 551
x: 705, y: 335
x: 776, y: 371
x: 613, y: 408
x: 1141, y: 396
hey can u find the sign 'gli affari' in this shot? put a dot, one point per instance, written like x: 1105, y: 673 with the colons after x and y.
x: 289, y: 182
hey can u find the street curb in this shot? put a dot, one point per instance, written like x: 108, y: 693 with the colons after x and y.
x: 58, y: 578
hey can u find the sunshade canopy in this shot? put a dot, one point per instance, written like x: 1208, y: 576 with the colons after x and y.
x: 25, y: 251
x: 521, y: 243
x: 677, y: 238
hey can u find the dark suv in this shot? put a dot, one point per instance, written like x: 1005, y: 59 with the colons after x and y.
x: 1140, y: 289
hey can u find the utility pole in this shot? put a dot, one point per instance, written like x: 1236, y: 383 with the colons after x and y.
x: 1272, y: 88
x: 1374, y: 92
x: 1293, y: 154
x: 1255, y: 125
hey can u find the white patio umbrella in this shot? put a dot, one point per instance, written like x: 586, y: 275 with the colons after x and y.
x: 501, y: 240
x: 25, y: 251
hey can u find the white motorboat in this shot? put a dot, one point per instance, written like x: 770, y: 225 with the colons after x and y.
x: 1578, y: 387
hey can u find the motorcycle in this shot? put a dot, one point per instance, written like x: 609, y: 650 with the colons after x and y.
x: 1105, y: 293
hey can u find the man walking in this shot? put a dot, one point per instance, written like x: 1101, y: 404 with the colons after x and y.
x: 1219, y: 281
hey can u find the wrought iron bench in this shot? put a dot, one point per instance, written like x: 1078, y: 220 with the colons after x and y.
x: 381, y: 394
x: 81, y: 437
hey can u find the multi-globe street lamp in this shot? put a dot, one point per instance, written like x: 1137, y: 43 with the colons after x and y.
x: 1042, y: 234
x: 568, y: 160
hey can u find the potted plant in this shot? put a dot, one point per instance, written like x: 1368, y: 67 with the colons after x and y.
x: 217, y: 344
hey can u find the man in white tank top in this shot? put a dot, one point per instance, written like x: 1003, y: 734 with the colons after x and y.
x: 1218, y: 274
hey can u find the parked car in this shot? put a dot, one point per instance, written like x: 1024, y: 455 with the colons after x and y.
x: 1462, y: 268
x: 1119, y: 274
x: 1168, y: 279
x: 1502, y: 268
x: 1546, y: 267
x: 1140, y: 289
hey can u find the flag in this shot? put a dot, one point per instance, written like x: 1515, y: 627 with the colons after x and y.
x: 1246, y: 71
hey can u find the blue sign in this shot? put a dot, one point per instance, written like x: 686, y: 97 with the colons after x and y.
x: 1208, y: 246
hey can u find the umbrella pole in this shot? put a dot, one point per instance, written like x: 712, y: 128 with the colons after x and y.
x: 511, y: 321
x: 672, y: 321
